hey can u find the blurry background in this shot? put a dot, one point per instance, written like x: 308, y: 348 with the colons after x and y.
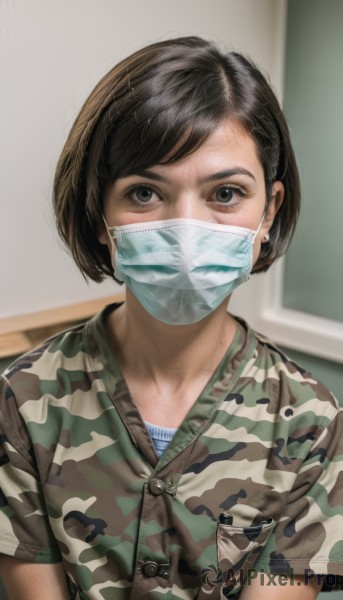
x: 53, y: 53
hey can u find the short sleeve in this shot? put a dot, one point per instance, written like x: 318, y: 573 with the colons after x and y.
x: 24, y: 526
x: 309, y: 536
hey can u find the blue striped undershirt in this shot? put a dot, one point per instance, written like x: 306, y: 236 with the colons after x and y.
x: 161, y: 436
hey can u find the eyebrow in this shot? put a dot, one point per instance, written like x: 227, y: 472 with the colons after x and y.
x: 213, y: 177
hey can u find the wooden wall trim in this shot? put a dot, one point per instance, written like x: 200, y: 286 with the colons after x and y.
x: 20, y: 333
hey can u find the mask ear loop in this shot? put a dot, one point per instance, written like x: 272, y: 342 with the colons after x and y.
x: 259, y: 225
x: 111, y: 235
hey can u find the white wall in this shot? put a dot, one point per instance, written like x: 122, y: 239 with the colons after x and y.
x: 54, y: 51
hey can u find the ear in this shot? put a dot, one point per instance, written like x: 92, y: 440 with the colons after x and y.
x: 278, y: 192
x: 102, y: 234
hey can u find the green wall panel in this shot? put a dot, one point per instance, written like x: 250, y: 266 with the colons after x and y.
x: 313, y: 105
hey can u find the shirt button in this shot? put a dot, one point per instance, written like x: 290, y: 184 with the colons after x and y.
x: 163, y: 572
x: 150, y: 569
x: 157, y: 487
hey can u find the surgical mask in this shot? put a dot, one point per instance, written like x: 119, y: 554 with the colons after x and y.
x: 181, y: 270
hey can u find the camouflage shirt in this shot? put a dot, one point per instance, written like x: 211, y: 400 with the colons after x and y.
x: 252, y: 480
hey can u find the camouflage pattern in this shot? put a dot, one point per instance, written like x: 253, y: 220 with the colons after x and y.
x: 81, y: 482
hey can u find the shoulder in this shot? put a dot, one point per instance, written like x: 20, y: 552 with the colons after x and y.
x: 33, y: 373
x: 57, y: 373
x: 49, y: 390
x: 56, y: 382
x: 73, y: 354
x: 287, y: 384
x: 26, y: 386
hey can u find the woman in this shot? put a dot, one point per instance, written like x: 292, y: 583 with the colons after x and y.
x: 164, y: 449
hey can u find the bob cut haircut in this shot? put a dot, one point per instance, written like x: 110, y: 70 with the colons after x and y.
x: 136, y: 116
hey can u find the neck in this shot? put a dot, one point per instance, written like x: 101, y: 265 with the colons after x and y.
x: 149, y: 348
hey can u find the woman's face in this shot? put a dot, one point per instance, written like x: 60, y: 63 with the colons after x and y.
x: 221, y: 182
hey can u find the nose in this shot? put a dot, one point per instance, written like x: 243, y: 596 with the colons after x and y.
x: 188, y: 207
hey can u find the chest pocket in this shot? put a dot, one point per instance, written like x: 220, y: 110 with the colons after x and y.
x: 238, y: 549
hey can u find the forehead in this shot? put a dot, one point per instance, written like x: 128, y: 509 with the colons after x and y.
x: 229, y: 145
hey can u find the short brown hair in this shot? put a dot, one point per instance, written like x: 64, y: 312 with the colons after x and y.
x: 133, y: 119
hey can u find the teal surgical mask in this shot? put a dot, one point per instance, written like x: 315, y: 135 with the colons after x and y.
x: 181, y: 270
